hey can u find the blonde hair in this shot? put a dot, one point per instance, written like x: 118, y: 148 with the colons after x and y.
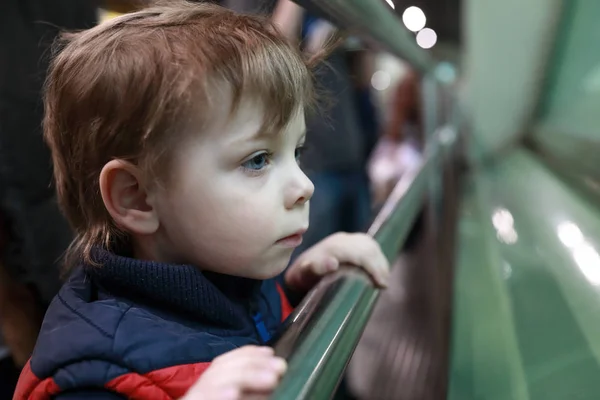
x: 129, y: 88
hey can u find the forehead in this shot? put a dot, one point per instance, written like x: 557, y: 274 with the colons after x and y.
x: 250, y: 119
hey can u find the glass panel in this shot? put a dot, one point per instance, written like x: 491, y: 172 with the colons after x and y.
x: 527, y: 293
x: 572, y: 99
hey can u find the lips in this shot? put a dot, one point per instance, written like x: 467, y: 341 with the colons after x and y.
x: 293, y: 240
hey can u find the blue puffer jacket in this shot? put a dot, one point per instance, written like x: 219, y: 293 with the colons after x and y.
x: 145, y: 330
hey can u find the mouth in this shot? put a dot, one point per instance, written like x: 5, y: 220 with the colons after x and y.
x: 293, y: 240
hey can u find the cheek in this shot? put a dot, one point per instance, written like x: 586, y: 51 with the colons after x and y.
x: 243, y: 222
x: 224, y: 224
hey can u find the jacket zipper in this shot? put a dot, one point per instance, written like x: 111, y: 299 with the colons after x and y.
x: 259, y: 324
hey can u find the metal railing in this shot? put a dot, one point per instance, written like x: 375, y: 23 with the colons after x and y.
x: 325, y: 328
x: 375, y: 22
x: 327, y: 325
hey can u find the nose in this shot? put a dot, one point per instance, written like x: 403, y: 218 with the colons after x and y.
x: 300, y: 190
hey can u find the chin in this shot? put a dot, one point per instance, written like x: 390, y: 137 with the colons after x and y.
x: 270, y: 270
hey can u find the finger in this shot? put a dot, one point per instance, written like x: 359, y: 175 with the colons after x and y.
x: 375, y: 263
x: 294, y: 274
x: 306, y: 273
x: 378, y: 264
x: 383, y: 264
x: 249, y: 373
x: 341, y: 253
x: 298, y: 268
x: 229, y: 393
x: 249, y: 351
x: 369, y: 266
x: 383, y: 272
x: 368, y: 255
x: 324, y: 265
x: 198, y: 392
x: 301, y: 263
x: 259, y: 377
x: 332, y: 264
x: 246, y: 362
x: 272, y: 363
x: 248, y: 368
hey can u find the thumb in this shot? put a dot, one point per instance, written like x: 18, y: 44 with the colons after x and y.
x: 326, y: 265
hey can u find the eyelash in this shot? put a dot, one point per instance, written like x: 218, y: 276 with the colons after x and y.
x: 268, y: 155
x: 298, y: 152
x: 253, y: 171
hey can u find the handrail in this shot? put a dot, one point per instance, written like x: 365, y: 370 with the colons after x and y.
x: 327, y: 325
x: 374, y: 20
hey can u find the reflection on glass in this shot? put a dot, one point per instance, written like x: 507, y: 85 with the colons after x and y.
x: 588, y: 260
x: 584, y: 254
x: 591, y: 83
x: 447, y: 134
x: 503, y: 221
x: 506, y: 270
x: 508, y: 237
x: 570, y: 234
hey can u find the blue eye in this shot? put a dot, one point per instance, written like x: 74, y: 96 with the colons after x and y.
x: 257, y: 162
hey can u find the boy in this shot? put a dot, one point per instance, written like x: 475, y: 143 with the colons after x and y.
x: 175, y: 133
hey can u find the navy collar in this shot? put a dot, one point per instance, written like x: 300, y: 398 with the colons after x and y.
x: 217, y: 299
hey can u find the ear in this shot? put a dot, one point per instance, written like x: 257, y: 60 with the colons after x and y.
x: 126, y: 199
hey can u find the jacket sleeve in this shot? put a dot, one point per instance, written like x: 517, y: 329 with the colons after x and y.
x: 99, y: 394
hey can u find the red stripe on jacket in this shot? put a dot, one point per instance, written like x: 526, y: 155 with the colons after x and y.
x: 286, y: 307
x: 30, y: 387
x: 161, y: 384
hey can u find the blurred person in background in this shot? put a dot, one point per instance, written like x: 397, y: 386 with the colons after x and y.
x: 340, y: 133
x: 401, y: 144
x: 374, y: 371
x: 34, y: 233
x: 405, y: 122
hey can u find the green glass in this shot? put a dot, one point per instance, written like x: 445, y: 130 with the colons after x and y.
x: 572, y: 96
x: 527, y: 287
x: 566, y: 133
x: 506, y: 52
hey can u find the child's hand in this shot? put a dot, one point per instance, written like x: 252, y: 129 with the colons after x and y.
x: 326, y: 256
x: 239, y: 374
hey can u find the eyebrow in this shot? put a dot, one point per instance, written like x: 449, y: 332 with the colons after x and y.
x: 264, y: 134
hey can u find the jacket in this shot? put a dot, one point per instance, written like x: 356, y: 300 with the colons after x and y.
x: 145, y: 330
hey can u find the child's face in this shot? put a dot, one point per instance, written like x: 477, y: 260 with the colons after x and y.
x: 235, y: 194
